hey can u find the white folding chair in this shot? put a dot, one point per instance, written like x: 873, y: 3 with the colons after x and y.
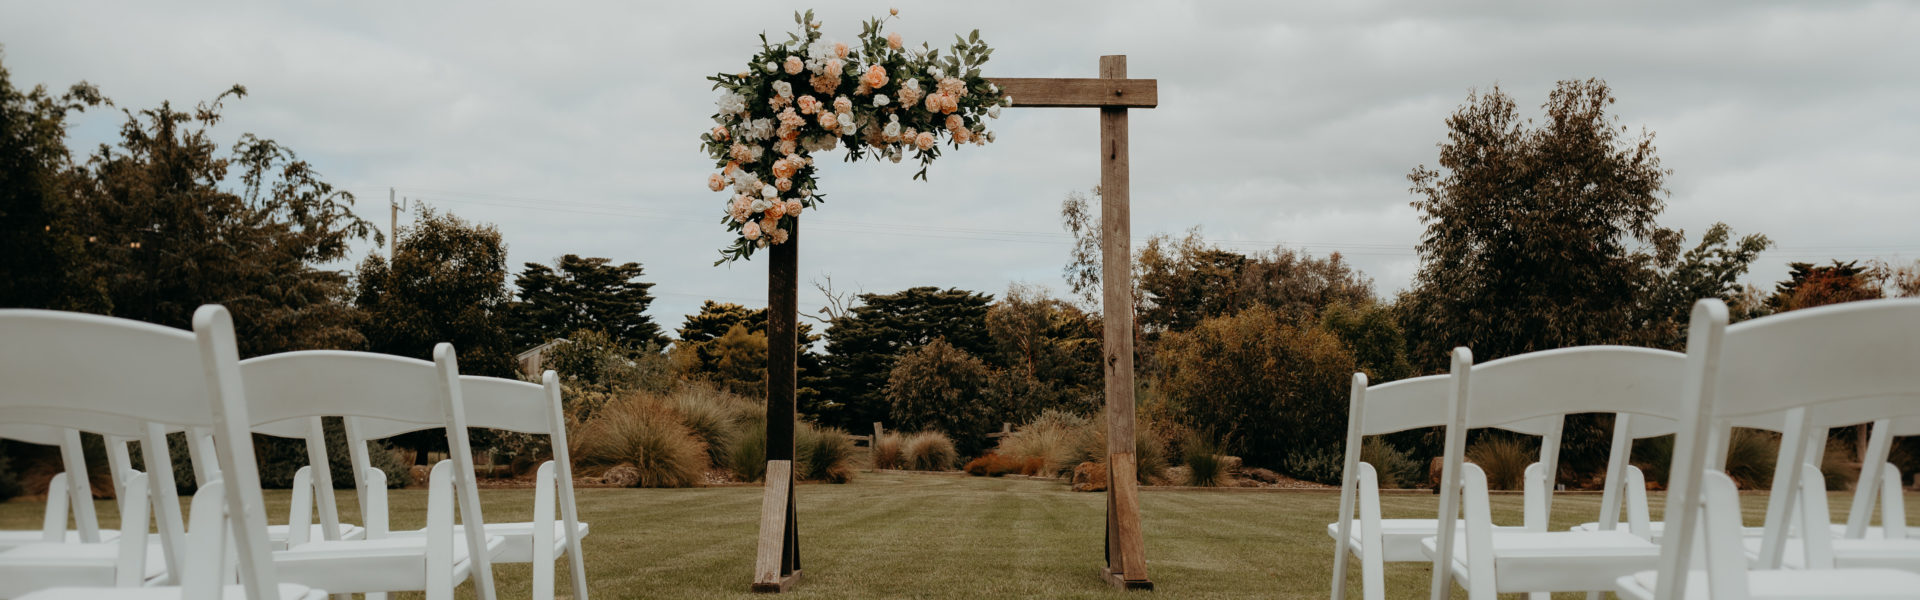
x: 1394, y: 407
x: 128, y: 379
x: 294, y: 388
x: 522, y: 407
x: 66, y: 494
x: 1803, y: 441
x: 312, y: 489
x: 1850, y: 361
x: 1880, y: 480
x: 1636, y: 382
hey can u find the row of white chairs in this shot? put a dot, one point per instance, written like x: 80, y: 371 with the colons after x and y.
x: 128, y: 381
x: 1798, y: 374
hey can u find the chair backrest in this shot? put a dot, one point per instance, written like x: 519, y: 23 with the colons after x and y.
x: 1853, y: 361
x: 89, y: 372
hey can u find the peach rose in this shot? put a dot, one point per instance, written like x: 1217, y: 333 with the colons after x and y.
x: 893, y: 41
x: 784, y: 146
x: 952, y: 86
x: 778, y: 102
x: 954, y: 123
x: 751, y: 231
x: 794, y: 65
x: 784, y: 168
x: 808, y: 105
x: 842, y: 104
x: 777, y: 210
x: 825, y: 84
x: 840, y: 49
x: 741, y: 153
x: 769, y: 223
x: 828, y: 121
x: 719, y: 133
x: 923, y: 141
x: 909, y: 96
x: 793, y: 208
x: 962, y: 135
x: 835, y: 68
x: 784, y: 184
x: 875, y: 77
x: 715, y: 182
x: 779, y: 236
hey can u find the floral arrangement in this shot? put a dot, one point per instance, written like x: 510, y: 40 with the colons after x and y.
x: 876, y: 97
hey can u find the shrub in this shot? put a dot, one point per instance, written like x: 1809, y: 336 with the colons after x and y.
x: 713, y: 416
x: 938, y: 386
x: 280, y: 458
x: 1837, y: 466
x: 1201, y: 454
x: 747, y: 455
x: 889, y: 452
x: 1318, y: 465
x: 1396, y: 469
x: 1504, y: 458
x: 823, y: 454
x: 931, y: 451
x: 1751, y: 454
x: 992, y: 465
x: 640, y: 430
x: 1049, y: 439
x: 1272, y: 385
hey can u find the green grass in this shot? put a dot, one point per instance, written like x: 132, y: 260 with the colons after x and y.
x: 901, y: 535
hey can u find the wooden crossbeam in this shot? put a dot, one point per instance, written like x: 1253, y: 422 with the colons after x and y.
x: 1081, y: 93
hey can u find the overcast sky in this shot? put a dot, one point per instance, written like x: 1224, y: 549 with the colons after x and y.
x: 573, y: 126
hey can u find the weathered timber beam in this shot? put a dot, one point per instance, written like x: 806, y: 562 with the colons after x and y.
x: 1081, y: 93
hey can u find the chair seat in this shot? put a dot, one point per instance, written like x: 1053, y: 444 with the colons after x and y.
x: 16, y: 537
x: 1559, y: 561
x: 517, y: 538
x: 277, y: 534
x: 364, y: 566
x: 1659, y: 528
x: 1401, y: 537
x: 44, y: 565
x: 1866, y: 553
x: 288, y: 591
x: 1834, y: 584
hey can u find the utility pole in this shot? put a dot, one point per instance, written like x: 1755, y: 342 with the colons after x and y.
x: 392, y: 227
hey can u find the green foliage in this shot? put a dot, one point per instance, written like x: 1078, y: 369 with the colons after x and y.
x: 1268, y: 384
x: 739, y: 364
x: 583, y: 293
x: 1750, y: 457
x: 593, y: 361
x: 1184, y: 282
x: 641, y: 430
x: 1202, y: 455
x: 1316, y: 464
x: 890, y: 451
x: 1394, y: 468
x: 1372, y: 334
x: 1504, y: 458
x: 747, y: 453
x: 930, y: 451
x: 164, y: 220
x: 938, y: 386
x: 863, y: 344
x: 42, y: 250
x: 1808, y: 285
x: 446, y: 283
x: 1047, y: 354
x: 715, y: 417
x: 279, y: 458
x: 1711, y: 269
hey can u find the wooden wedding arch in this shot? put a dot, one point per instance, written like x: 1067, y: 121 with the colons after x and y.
x: 777, y: 564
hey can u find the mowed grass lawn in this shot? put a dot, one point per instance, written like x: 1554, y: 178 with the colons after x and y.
x: 906, y: 535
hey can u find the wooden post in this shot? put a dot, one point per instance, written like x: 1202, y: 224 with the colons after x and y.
x: 1113, y: 93
x: 780, y: 536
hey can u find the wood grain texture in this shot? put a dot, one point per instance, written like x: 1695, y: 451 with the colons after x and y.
x: 1132, y: 563
x: 768, y: 565
x: 1118, y: 92
x: 1126, y: 546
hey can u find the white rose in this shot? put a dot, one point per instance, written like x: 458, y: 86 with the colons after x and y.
x: 880, y: 100
x: 847, y: 127
x: 993, y: 112
x: 1006, y: 100
x: 894, y: 156
x: 934, y: 72
x: 784, y: 89
x: 760, y: 205
x: 892, y: 130
x: 770, y: 67
x: 768, y: 192
x: 991, y: 88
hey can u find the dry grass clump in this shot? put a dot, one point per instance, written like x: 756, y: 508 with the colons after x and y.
x: 1051, y: 439
x: 931, y: 451
x: 890, y: 451
x: 641, y: 430
x: 1505, y: 460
